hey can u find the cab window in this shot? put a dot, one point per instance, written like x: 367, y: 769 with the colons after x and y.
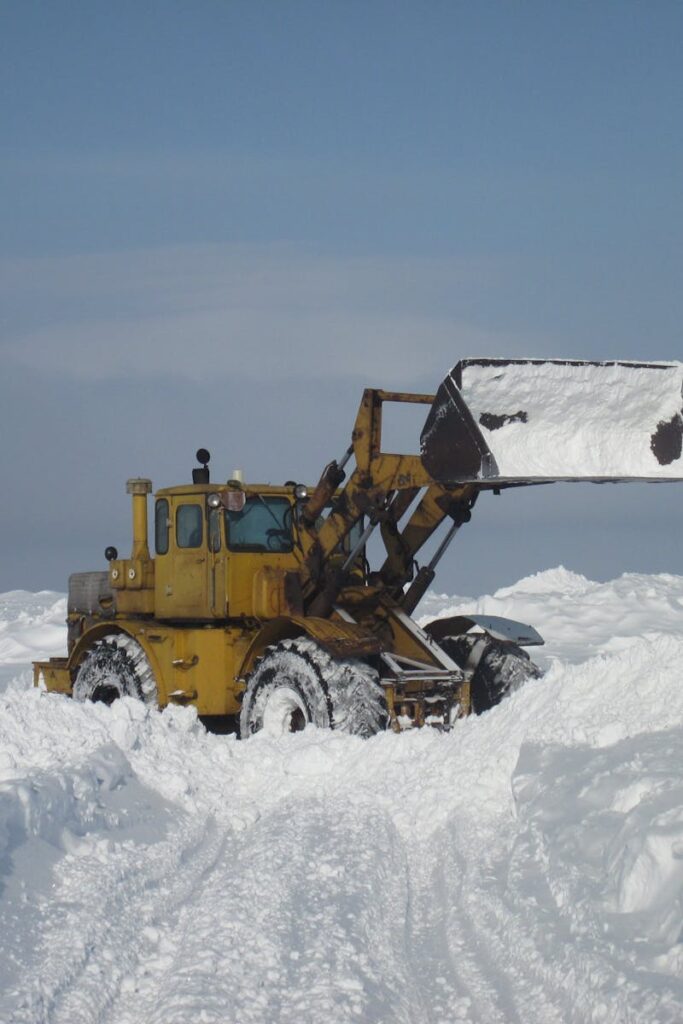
x: 264, y: 524
x: 188, y: 526
x: 161, y: 526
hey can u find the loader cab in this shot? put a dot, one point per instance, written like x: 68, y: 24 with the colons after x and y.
x: 217, y: 562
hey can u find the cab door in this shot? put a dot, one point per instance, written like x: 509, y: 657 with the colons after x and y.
x: 182, y: 590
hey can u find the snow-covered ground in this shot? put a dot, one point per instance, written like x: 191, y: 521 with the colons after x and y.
x: 526, y: 868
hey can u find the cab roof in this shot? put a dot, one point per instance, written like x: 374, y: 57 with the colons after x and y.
x: 211, y: 488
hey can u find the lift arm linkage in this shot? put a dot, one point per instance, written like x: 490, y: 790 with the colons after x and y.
x: 381, y: 487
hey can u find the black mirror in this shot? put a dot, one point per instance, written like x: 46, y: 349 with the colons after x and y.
x: 111, y: 554
x: 201, y: 476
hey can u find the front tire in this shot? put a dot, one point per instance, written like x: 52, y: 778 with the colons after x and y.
x: 502, y: 668
x: 296, y: 683
x: 115, y: 666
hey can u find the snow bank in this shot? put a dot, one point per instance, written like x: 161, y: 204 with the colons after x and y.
x: 32, y: 626
x: 577, y: 617
x: 525, y: 866
x: 615, y: 852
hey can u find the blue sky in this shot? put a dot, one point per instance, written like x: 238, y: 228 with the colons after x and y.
x: 220, y: 220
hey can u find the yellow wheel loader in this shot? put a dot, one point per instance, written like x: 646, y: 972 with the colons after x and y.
x: 259, y: 603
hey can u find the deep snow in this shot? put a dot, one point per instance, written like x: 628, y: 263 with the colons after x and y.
x: 527, y: 867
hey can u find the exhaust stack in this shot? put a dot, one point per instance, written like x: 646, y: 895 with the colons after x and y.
x: 139, y: 488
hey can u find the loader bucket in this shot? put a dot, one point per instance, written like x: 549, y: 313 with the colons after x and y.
x: 517, y: 421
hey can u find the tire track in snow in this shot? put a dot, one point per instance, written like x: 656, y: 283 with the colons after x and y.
x: 465, y: 972
x: 302, y: 919
x: 502, y: 980
x: 445, y: 993
x: 107, y: 898
x: 527, y: 961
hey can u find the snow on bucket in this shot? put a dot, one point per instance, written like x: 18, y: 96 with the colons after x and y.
x: 533, y: 420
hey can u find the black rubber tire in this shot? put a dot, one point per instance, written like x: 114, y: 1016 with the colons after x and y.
x: 503, y: 668
x: 115, y: 666
x: 296, y: 682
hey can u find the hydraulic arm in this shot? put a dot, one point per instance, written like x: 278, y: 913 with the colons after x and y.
x: 381, y: 489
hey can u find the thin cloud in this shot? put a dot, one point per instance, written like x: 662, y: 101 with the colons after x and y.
x: 192, y: 310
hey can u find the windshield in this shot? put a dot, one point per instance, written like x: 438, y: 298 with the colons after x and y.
x: 264, y: 524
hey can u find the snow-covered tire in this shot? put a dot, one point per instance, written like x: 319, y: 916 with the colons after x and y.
x: 502, y: 668
x: 114, y: 667
x: 295, y: 683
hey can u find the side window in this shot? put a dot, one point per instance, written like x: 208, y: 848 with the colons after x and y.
x: 214, y: 529
x: 188, y: 526
x: 161, y: 526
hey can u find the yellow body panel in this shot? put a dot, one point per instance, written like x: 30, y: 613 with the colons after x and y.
x: 206, y: 666
x: 190, y: 666
x: 53, y: 674
x: 256, y: 583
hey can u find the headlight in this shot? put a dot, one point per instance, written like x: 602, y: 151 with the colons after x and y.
x: 301, y: 491
x: 214, y: 501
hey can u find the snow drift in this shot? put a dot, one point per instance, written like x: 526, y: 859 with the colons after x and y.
x: 527, y: 866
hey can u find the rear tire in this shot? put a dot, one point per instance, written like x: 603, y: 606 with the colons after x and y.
x: 503, y: 667
x: 296, y: 683
x: 114, y: 667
